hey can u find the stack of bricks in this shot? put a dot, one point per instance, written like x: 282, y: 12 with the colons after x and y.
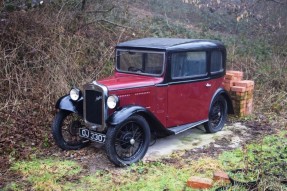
x: 241, y: 92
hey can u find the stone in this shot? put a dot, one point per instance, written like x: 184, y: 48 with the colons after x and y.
x: 199, y: 182
x: 221, y: 177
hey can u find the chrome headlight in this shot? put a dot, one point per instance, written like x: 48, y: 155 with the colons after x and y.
x: 75, y: 94
x: 112, y: 101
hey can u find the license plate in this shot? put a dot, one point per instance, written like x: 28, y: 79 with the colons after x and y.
x: 93, y: 136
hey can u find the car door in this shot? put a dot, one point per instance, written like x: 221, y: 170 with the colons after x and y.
x: 190, y: 89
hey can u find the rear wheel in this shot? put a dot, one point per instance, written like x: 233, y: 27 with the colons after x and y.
x: 217, y: 115
x: 65, y: 130
x: 128, y: 142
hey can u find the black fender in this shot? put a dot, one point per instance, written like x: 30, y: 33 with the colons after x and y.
x: 66, y: 103
x: 225, y: 94
x: 124, y: 113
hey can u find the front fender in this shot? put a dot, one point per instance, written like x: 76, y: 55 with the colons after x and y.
x: 65, y: 103
x: 121, y: 115
x: 124, y: 113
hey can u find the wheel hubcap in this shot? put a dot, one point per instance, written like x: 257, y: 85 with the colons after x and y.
x: 132, y: 141
x: 127, y: 140
x: 73, y: 128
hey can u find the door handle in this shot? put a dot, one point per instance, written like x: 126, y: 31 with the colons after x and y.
x: 208, y: 85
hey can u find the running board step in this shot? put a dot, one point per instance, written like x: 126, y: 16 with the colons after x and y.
x: 179, y: 129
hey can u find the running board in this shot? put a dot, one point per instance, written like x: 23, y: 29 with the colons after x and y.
x: 179, y: 129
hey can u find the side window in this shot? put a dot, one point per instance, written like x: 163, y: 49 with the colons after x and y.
x: 128, y: 59
x: 216, y: 64
x: 188, y: 64
x: 154, y: 63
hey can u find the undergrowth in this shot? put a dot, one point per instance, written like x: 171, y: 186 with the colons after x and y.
x: 44, y: 52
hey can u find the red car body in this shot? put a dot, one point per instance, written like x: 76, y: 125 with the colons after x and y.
x: 195, y: 98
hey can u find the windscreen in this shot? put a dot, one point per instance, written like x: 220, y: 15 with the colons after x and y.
x: 150, y: 63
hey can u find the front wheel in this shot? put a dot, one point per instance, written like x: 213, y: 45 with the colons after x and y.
x: 128, y: 142
x: 65, y: 130
x: 217, y: 115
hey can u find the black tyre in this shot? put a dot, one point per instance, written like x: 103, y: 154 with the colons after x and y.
x: 65, y: 130
x: 128, y: 142
x: 217, y: 115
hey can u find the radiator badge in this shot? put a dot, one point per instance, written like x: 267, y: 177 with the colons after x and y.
x: 98, y: 98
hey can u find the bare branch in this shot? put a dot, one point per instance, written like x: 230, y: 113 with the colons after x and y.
x: 83, y: 5
x: 101, y: 11
x: 276, y: 1
x: 106, y: 21
x: 110, y: 22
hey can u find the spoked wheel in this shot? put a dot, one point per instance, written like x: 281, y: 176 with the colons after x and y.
x: 65, y: 130
x: 217, y: 115
x: 128, y: 142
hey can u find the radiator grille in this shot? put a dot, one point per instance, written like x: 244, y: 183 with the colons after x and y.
x: 94, y: 104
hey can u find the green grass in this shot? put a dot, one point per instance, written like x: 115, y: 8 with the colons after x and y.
x: 44, y: 174
x: 55, y: 174
x: 261, y: 161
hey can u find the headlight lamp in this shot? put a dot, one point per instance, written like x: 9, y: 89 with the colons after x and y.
x: 75, y: 94
x: 112, y: 101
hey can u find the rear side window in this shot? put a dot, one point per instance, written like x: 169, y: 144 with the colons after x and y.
x: 216, y: 64
x: 188, y: 64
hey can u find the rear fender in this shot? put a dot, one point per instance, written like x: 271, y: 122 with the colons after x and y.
x: 66, y: 103
x: 225, y: 94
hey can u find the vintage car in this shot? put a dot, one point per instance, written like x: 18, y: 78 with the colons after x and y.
x: 160, y: 87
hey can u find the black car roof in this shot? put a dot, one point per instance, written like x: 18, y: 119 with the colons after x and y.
x: 170, y: 44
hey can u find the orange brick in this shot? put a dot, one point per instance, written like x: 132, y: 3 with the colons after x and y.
x: 249, y: 106
x: 231, y: 82
x: 250, y: 82
x: 242, y: 102
x: 249, y: 110
x: 221, y: 177
x: 227, y: 88
x: 240, y: 111
x: 249, y: 101
x: 235, y: 73
x: 244, y: 83
x: 226, y: 84
x: 237, y: 78
x: 199, y: 183
x: 237, y: 98
x: 241, y: 94
x: 250, y: 89
x: 228, y: 76
x: 238, y: 89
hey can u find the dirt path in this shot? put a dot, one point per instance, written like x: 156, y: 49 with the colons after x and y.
x: 196, y: 138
